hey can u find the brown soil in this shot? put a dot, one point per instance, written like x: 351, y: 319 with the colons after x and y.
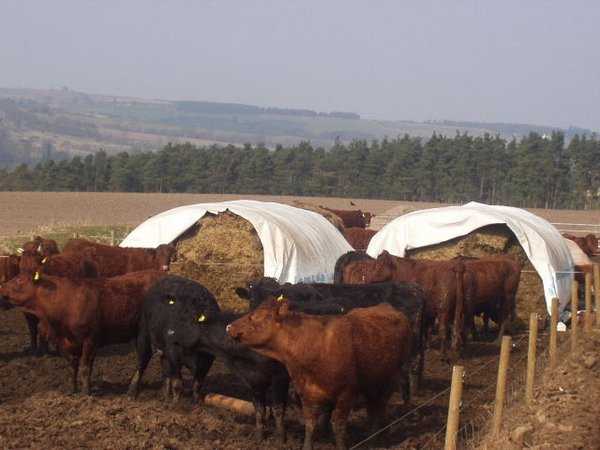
x: 37, y: 411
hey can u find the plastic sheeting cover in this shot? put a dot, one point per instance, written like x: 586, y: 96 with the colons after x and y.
x: 541, y: 241
x: 299, y: 245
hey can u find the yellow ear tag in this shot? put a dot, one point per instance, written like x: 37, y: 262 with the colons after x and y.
x: 45, y: 260
x: 171, y: 302
x: 202, y: 318
x: 36, y: 276
x: 280, y: 298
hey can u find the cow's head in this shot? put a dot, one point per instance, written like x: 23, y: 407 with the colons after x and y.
x: 21, y: 289
x: 164, y: 252
x: 259, y: 326
x: 258, y: 291
x: 367, y: 216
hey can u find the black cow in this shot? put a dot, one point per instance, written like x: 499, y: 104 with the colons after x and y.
x: 255, y: 371
x: 325, y: 298
x: 171, y: 311
x: 344, y: 260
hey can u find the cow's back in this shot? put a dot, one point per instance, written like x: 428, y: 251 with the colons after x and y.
x: 121, y: 300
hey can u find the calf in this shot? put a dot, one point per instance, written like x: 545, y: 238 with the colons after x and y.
x: 171, y: 310
x: 81, y: 315
x: 446, y: 284
x: 326, y: 298
x: 255, y: 371
x: 331, y: 359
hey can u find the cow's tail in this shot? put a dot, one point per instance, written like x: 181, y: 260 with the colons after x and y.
x: 459, y: 308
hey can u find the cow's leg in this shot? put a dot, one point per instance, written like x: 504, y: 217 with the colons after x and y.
x: 32, y: 326
x: 280, y: 386
x: 204, y: 362
x: 167, y: 377
x: 339, y: 419
x: 443, y: 337
x: 376, y: 400
x: 144, y: 354
x: 177, y: 382
x: 86, y: 365
x: 312, y: 413
x: 407, y: 381
x: 74, y: 363
x: 260, y: 412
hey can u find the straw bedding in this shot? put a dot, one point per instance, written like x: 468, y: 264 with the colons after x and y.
x: 221, y: 252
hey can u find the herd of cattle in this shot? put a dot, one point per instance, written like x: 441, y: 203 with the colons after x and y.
x: 365, y: 334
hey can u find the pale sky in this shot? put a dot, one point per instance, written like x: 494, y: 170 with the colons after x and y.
x: 528, y: 61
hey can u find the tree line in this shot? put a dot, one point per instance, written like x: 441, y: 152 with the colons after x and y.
x: 535, y: 172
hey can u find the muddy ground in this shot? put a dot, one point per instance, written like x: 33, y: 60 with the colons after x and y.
x: 37, y: 409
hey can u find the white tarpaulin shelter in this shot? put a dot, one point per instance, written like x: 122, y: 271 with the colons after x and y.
x: 541, y: 241
x: 299, y: 245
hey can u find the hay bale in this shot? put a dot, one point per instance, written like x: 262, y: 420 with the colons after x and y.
x: 221, y: 252
x: 494, y: 240
x: 333, y: 218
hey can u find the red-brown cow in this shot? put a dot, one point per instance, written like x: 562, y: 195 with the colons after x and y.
x: 79, y: 315
x: 496, y: 283
x: 41, y: 246
x: 588, y: 244
x: 9, y: 267
x: 113, y: 261
x: 65, y: 264
x: 446, y: 284
x: 359, y: 238
x: 352, y: 218
x: 331, y: 359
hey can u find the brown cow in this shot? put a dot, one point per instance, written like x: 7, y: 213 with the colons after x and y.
x: 588, y: 244
x: 496, y: 282
x: 65, y: 264
x: 446, y: 284
x: 352, y: 218
x: 113, y: 260
x: 358, y: 238
x: 41, y: 246
x: 9, y: 267
x: 79, y: 315
x: 331, y: 359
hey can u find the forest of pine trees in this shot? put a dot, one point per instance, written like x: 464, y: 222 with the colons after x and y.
x: 535, y: 171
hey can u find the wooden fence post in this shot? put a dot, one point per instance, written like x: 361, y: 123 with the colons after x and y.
x: 553, y: 334
x: 454, y: 408
x: 112, y: 237
x: 501, y: 385
x: 588, y: 302
x: 574, y: 316
x: 533, y: 332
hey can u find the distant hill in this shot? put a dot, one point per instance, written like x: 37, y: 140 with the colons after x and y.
x: 36, y: 125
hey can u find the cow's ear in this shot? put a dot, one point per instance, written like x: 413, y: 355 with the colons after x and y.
x: 281, y: 307
x: 242, y: 293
